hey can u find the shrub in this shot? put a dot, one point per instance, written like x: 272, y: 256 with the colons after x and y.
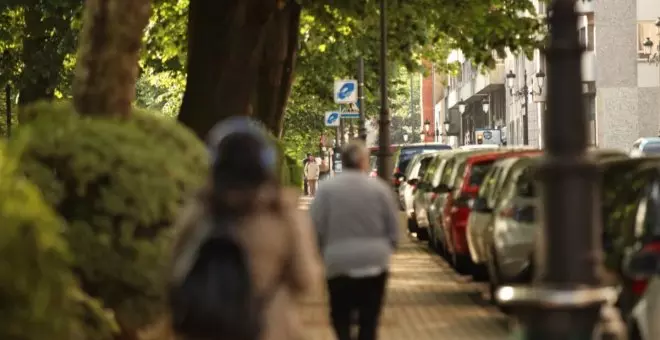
x: 119, y: 184
x: 35, y: 280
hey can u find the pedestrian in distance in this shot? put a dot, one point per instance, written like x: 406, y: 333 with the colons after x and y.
x: 357, y: 223
x: 312, y: 172
x: 324, y: 169
x: 306, y: 186
x: 244, y: 254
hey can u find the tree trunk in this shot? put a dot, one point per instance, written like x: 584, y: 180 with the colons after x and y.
x: 276, y: 69
x: 225, y: 40
x: 43, y: 54
x: 108, y: 55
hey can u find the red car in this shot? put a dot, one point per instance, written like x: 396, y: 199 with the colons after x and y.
x: 457, y: 207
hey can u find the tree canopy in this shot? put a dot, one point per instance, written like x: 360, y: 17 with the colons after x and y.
x: 331, y: 35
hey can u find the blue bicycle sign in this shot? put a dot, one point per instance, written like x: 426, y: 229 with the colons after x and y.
x: 345, y: 92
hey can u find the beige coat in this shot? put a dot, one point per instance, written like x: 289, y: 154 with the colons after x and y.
x: 271, y: 238
x: 312, y: 170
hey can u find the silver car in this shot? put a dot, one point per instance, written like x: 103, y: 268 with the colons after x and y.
x: 415, y: 171
x: 514, y: 227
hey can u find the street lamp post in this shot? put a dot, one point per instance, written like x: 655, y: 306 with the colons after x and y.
x: 566, y: 297
x: 384, y: 163
x: 525, y: 92
x: 362, y: 128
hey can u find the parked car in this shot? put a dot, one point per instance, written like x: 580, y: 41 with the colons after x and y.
x: 642, y: 264
x: 459, y: 204
x: 423, y: 194
x: 447, y: 179
x: 480, y: 222
x: 646, y: 146
x: 510, y: 243
x: 405, y: 154
x: 415, y: 170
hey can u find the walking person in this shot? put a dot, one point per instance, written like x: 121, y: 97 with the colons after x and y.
x: 324, y: 169
x: 357, y: 224
x: 306, y: 185
x: 243, y: 254
x: 312, y: 172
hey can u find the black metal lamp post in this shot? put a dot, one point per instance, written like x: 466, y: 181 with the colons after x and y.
x: 566, y: 297
x: 525, y: 92
x: 384, y: 152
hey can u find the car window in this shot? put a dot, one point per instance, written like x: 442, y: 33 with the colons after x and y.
x: 447, y: 171
x: 413, y: 167
x: 622, y: 190
x: 489, y: 181
x: 478, y: 172
x: 651, y: 148
x: 526, y: 178
x: 423, y: 166
x: 509, y: 186
x: 430, y: 170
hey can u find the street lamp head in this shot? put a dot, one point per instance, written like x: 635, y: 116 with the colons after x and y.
x: 648, y: 46
x: 540, y: 77
x: 461, y: 107
x: 510, y: 78
x: 446, y: 124
x: 485, y: 105
x: 405, y: 137
x: 427, y: 126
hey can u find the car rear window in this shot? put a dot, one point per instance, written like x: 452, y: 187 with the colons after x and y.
x: 479, y: 171
x: 651, y: 148
x: 407, y: 153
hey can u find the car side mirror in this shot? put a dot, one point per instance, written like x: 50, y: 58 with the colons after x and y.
x: 442, y: 189
x: 643, y: 263
x: 481, y: 205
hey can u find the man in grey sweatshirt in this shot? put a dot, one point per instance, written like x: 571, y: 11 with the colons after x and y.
x: 357, y: 223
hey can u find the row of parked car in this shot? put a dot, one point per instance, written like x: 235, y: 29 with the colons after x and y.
x: 479, y: 207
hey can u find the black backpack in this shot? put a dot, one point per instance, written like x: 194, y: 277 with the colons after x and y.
x: 212, y: 295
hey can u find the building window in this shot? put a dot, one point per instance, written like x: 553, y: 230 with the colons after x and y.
x: 646, y: 29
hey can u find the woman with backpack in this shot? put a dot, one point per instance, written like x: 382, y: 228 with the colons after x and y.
x: 243, y: 254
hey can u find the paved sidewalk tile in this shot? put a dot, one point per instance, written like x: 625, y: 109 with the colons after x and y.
x: 426, y: 300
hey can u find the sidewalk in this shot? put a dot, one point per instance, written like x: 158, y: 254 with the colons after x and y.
x: 426, y: 300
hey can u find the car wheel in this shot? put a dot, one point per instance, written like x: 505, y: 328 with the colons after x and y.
x: 412, y: 225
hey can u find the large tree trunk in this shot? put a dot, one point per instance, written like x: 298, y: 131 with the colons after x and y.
x: 225, y: 41
x: 108, y: 56
x: 276, y: 69
x: 43, y: 53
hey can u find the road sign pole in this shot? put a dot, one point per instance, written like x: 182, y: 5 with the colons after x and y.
x: 384, y: 153
x: 362, y: 129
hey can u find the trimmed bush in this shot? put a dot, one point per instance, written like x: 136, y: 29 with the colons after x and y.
x: 119, y: 184
x: 35, y: 280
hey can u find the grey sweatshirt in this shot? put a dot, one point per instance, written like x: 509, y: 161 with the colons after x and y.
x: 357, y: 221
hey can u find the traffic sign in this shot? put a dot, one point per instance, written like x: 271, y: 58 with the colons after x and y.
x: 332, y: 118
x: 345, y: 91
x: 350, y: 115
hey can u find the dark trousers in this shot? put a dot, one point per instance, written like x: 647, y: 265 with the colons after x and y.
x: 363, y: 296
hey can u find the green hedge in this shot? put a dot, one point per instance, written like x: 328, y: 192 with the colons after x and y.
x: 119, y: 184
x: 35, y: 281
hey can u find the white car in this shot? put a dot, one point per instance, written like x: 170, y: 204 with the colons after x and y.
x: 415, y: 170
x: 646, y: 146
